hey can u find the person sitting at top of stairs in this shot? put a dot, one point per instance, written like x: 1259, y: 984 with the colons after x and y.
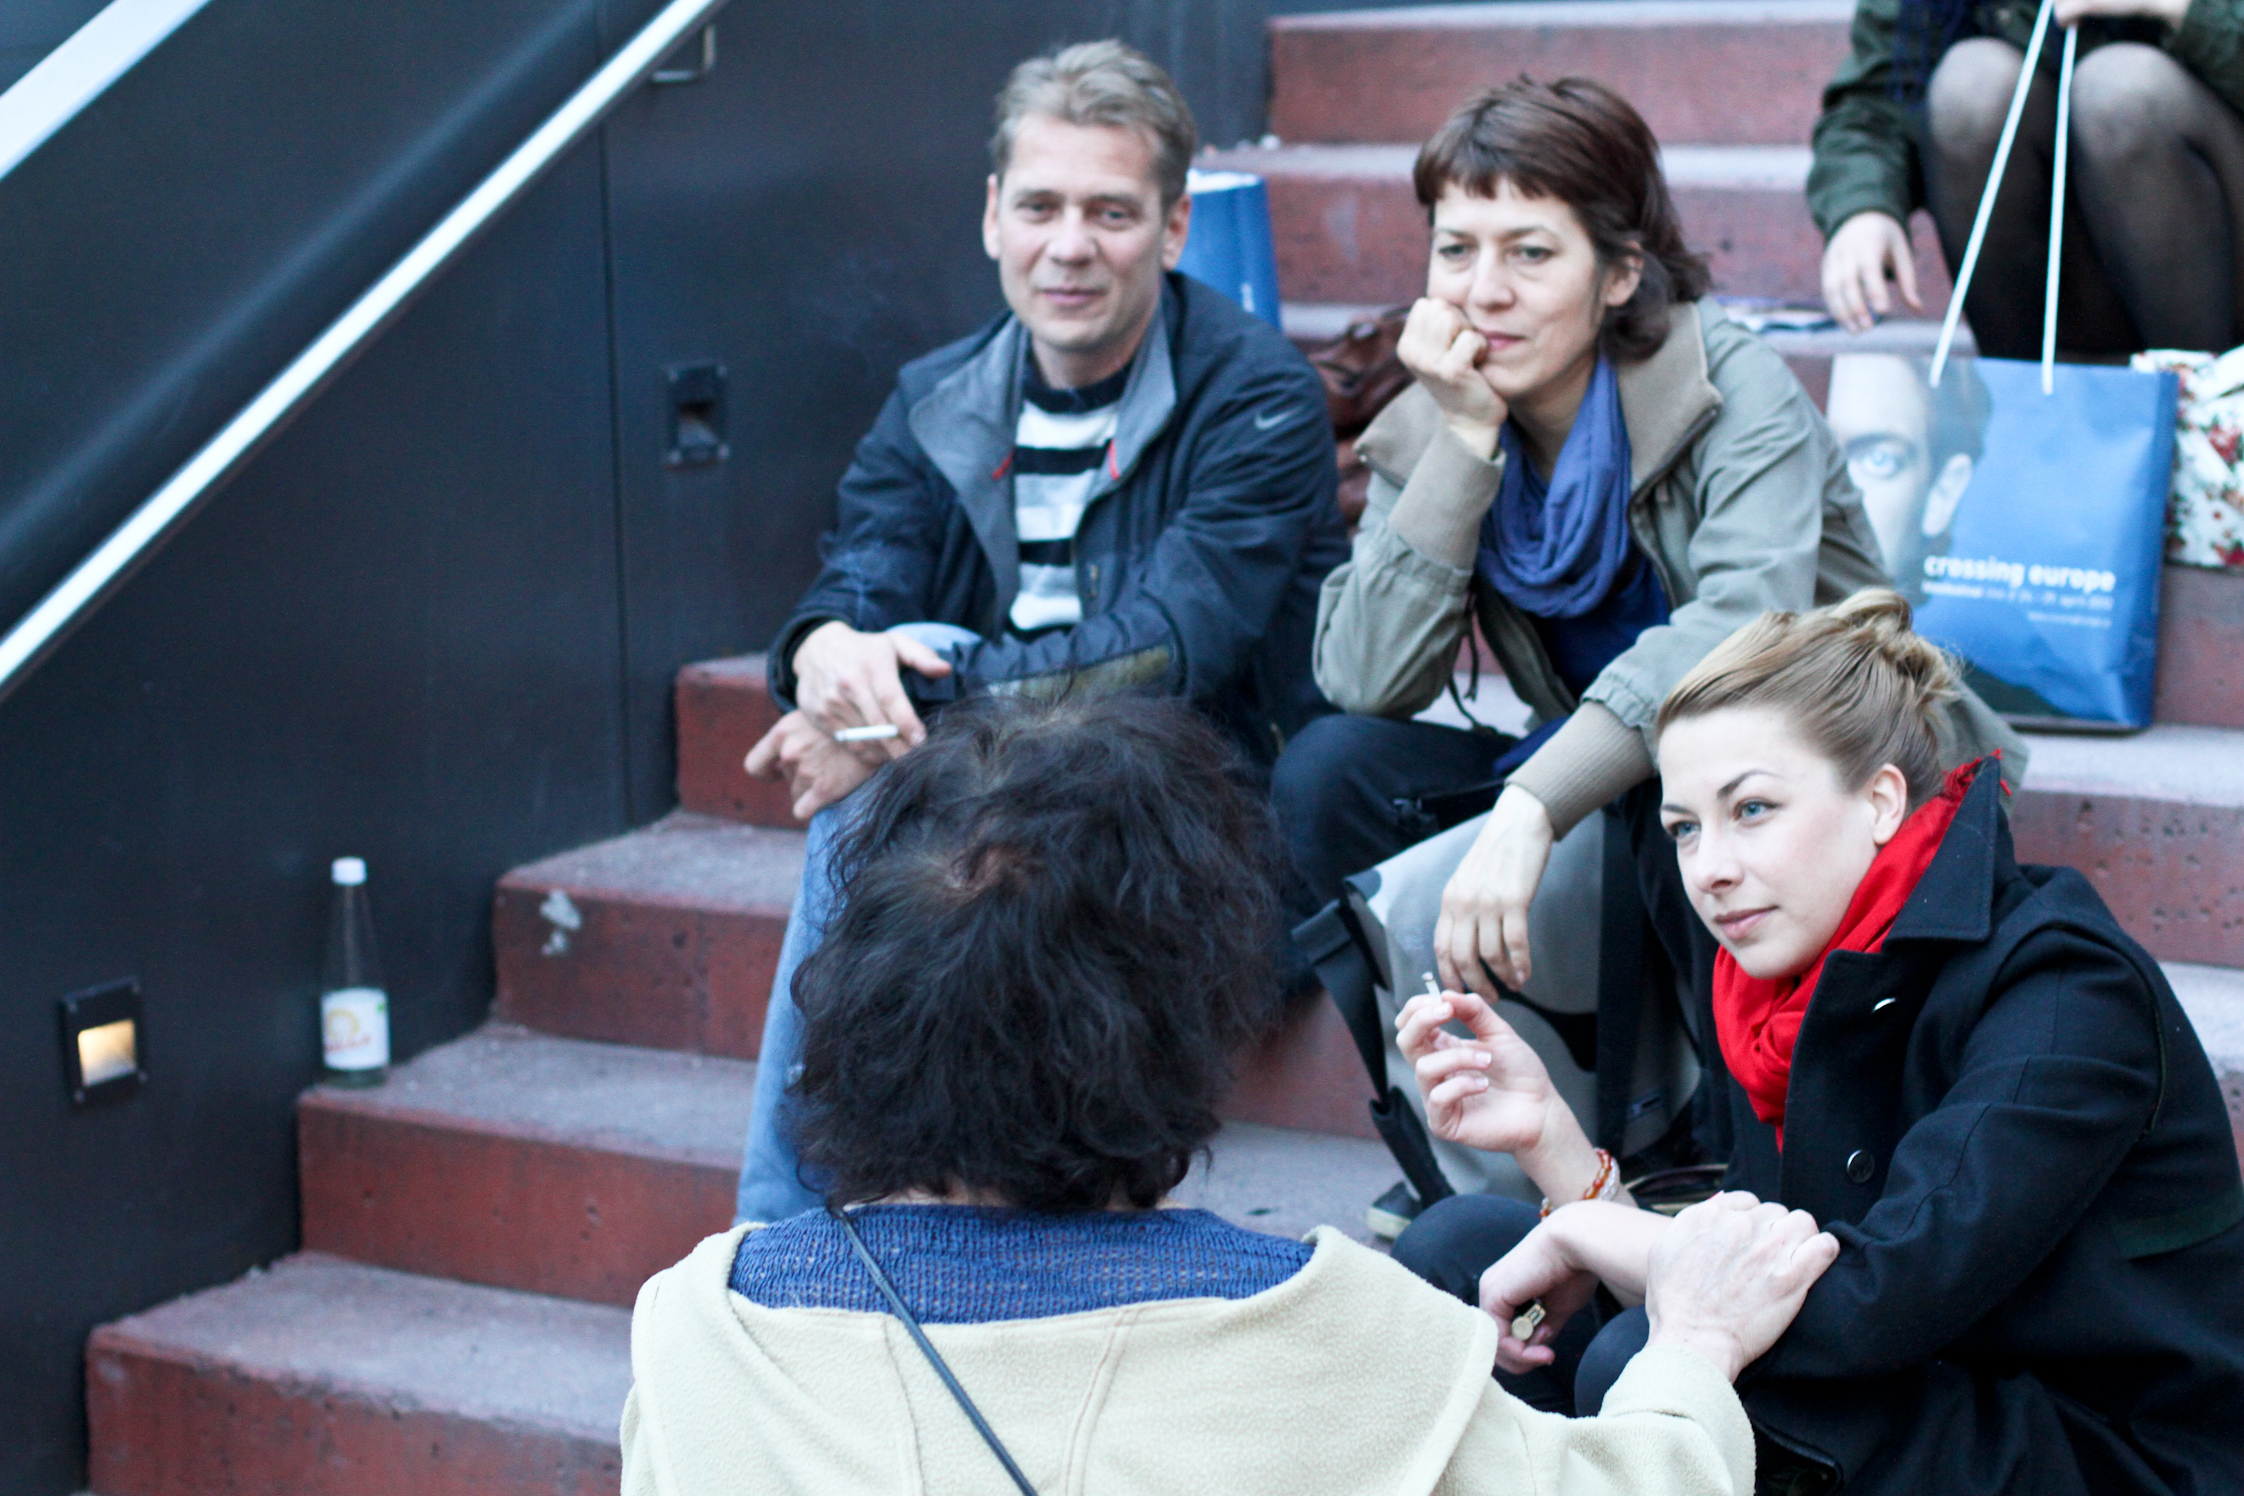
x: 1016, y: 1032
x: 2154, y: 243
x: 1124, y: 484
x: 1612, y: 477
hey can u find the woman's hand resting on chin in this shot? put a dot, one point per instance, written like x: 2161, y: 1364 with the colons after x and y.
x: 1440, y: 347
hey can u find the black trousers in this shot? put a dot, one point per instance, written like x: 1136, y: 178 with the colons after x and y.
x: 1453, y: 1243
x: 1351, y: 792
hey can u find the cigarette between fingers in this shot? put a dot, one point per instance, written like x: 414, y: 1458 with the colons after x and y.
x: 873, y: 734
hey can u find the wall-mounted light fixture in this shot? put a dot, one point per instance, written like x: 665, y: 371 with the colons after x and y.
x: 103, y: 1057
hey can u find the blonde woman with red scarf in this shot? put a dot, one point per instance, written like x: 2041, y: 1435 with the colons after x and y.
x: 1961, y: 1067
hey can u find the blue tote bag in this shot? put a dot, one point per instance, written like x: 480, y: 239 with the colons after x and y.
x: 1230, y: 247
x: 2047, y: 583
x: 2047, y: 580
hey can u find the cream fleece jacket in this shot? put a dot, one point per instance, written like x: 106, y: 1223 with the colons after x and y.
x: 1352, y: 1376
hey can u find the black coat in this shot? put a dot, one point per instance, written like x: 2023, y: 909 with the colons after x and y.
x: 2007, y: 1121
x: 1198, y: 560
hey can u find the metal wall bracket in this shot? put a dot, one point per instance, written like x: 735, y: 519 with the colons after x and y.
x: 699, y: 71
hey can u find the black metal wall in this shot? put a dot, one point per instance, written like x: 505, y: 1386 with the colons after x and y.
x: 434, y: 623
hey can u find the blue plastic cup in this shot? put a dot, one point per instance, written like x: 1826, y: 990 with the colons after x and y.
x: 1230, y: 247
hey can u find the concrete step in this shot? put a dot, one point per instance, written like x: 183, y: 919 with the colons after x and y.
x: 524, y: 1161
x: 723, y: 708
x: 2213, y: 996
x: 668, y: 937
x: 326, y: 1377
x: 2156, y: 821
x: 2201, y: 647
x: 664, y: 937
x: 1348, y: 228
x: 320, y: 1377
x: 557, y: 1166
x: 1734, y: 72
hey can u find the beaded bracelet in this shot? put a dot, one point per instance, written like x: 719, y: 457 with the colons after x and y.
x: 1605, y: 1187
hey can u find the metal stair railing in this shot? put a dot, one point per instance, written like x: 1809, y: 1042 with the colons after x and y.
x: 74, y: 74
x: 41, y: 629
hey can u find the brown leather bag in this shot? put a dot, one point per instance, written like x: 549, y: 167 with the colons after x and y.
x: 1361, y: 374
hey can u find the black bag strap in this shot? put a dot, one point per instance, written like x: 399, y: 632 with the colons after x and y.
x: 1623, y: 971
x: 1335, y: 945
x: 1336, y: 949
x: 927, y: 1348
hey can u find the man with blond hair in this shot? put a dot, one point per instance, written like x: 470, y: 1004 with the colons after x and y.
x: 1125, y: 484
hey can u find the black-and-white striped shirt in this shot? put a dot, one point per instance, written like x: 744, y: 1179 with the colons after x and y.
x: 1063, y: 439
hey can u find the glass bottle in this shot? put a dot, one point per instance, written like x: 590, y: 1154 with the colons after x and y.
x: 354, y: 1008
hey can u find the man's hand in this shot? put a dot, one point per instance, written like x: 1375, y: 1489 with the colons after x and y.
x: 1484, y: 905
x: 1867, y: 249
x: 1441, y: 348
x: 817, y: 769
x: 1727, y: 1278
x: 848, y: 679
x: 2169, y: 11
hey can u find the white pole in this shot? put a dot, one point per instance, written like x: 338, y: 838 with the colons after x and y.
x: 1994, y: 182
x: 2057, y: 214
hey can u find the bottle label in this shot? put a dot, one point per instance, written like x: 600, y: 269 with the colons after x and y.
x: 355, y: 1022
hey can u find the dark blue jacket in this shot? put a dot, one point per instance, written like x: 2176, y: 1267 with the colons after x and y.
x: 1198, y: 559
x: 2007, y: 1121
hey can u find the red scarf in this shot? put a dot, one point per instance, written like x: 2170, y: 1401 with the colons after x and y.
x: 1758, y: 1022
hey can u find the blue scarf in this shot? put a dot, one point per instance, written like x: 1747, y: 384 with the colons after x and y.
x: 1557, y: 548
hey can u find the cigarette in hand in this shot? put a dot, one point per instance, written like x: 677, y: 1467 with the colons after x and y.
x: 872, y: 734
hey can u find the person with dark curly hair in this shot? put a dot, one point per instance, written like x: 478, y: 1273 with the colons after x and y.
x: 1051, y: 942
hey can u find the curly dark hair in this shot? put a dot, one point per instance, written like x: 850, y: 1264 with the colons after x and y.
x: 1056, y: 928
x: 1580, y: 142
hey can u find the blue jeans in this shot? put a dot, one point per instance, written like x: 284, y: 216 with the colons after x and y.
x: 772, y: 1186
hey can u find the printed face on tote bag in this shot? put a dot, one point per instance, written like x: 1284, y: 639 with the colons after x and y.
x: 1911, y: 449
x: 2025, y: 527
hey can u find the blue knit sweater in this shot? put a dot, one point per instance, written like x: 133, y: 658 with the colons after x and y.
x: 960, y: 1264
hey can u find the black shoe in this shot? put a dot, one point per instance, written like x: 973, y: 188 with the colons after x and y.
x: 1392, y: 1212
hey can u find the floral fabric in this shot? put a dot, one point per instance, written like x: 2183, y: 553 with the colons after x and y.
x: 2205, y: 509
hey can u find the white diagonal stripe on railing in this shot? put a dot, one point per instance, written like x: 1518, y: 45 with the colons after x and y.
x: 167, y: 506
x: 74, y: 74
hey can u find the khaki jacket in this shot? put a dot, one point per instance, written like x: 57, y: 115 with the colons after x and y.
x: 1739, y: 499
x: 1352, y: 1376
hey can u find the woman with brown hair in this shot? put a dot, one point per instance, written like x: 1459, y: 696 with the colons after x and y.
x: 1603, y: 472
x: 1961, y: 1066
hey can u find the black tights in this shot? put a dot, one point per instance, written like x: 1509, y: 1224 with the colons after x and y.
x: 2154, y: 211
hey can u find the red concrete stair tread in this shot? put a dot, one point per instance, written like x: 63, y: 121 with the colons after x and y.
x: 2201, y: 647
x: 1348, y: 228
x: 526, y: 1161
x: 2213, y: 996
x: 723, y: 707
x: 1739, y: 71
x: 321, y: 1377
x: 665, y: 937
x: 2156, y: 821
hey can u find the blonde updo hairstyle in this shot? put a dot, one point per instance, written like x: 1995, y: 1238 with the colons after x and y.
x: 1854, y: 680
